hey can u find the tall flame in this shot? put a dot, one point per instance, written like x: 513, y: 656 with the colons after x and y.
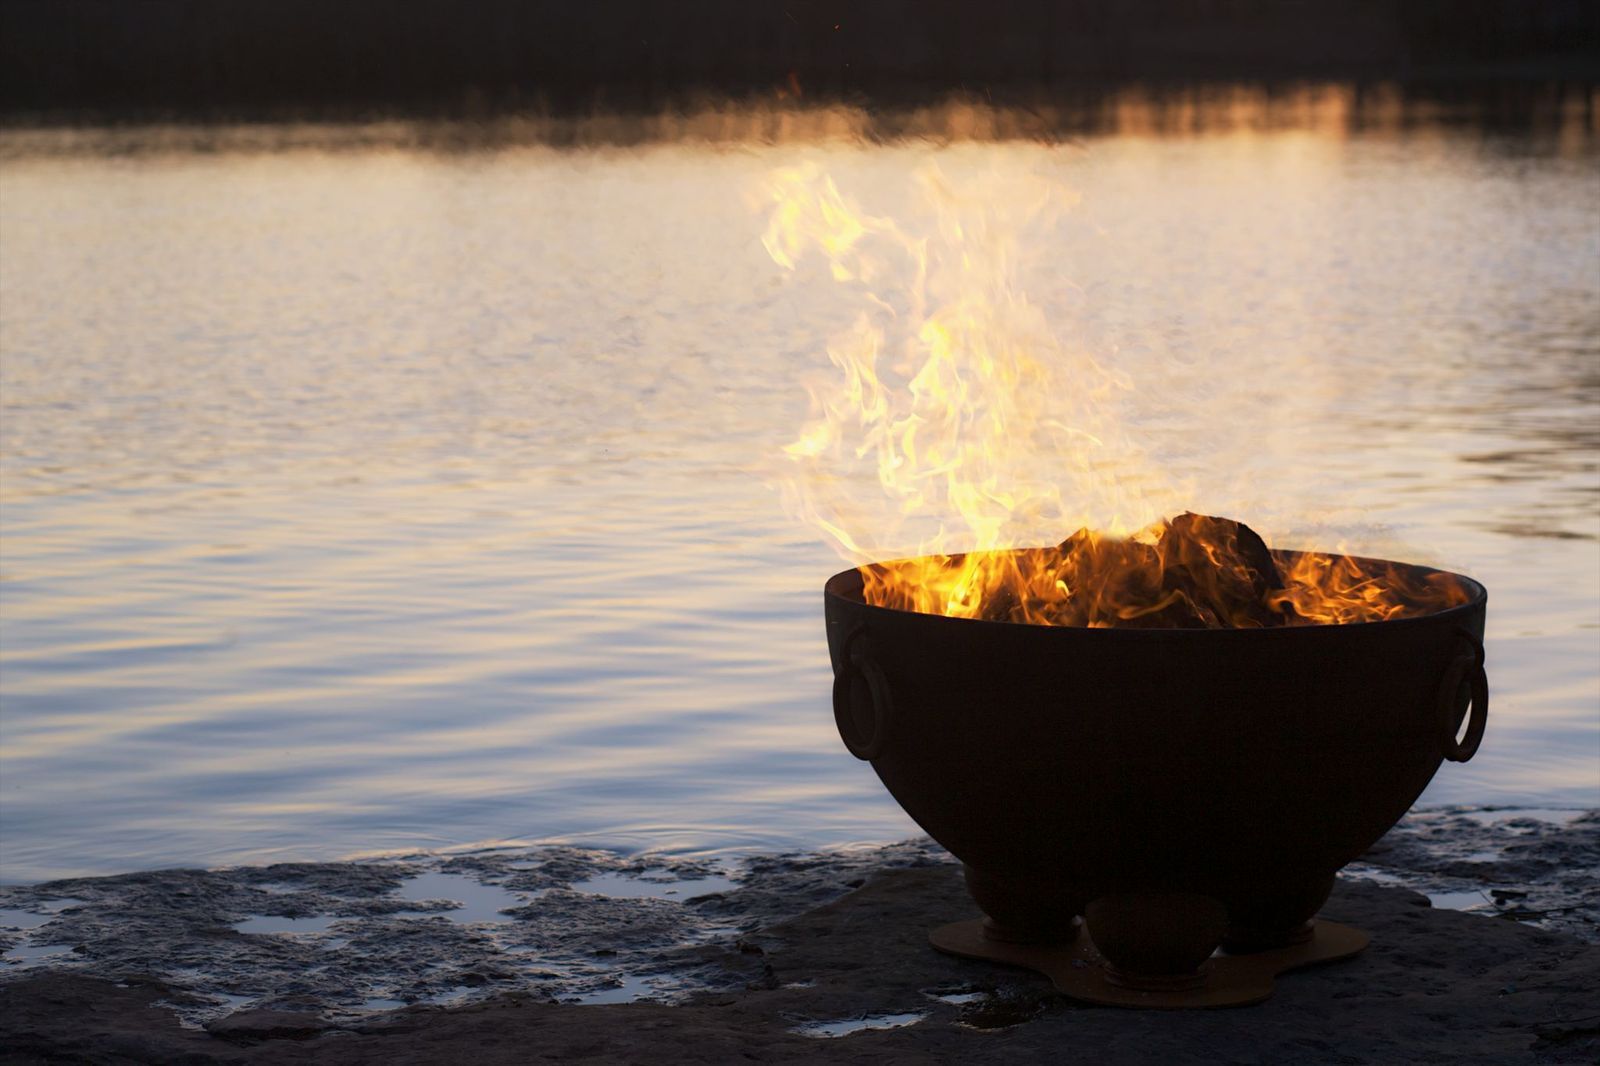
x: 959, y: 426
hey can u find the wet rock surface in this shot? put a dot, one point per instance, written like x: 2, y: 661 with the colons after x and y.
x: 352, y: 939
x: 789, y: 958
x: 1539, y: 867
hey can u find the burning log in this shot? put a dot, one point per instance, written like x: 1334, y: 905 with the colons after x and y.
x: 1114, y: 582
x: 1223, y: 568
x: 1201, y: 573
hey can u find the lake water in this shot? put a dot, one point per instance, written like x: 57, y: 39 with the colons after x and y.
x: 368, y: 497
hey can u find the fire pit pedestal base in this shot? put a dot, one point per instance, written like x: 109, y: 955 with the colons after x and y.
x: 1079, y: 971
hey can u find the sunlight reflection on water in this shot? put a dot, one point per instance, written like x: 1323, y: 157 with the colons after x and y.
x: 381, y: 499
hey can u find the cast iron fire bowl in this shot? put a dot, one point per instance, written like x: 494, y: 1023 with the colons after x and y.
x: 1179, y: 787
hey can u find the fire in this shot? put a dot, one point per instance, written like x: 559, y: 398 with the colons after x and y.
x: 973, y: 428
x: 1190, y: 572
x: 1323, y: 589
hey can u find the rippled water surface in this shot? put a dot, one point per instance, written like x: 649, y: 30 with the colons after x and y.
x: 380, y: 499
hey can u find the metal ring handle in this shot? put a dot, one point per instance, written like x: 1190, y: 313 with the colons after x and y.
x: 1466, y: 667
x: 855, y: 662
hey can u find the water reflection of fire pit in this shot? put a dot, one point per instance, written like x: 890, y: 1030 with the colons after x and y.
x: 1136, y: 788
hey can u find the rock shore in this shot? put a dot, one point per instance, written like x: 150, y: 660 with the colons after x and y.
x: 800, y: 947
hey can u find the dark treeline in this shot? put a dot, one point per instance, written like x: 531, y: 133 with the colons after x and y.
x: 245, y: 57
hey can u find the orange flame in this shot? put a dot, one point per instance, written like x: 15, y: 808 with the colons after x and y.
x: 1161, y: 578
x: 970, y: 426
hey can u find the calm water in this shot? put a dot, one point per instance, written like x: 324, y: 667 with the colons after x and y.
x: 381, y: 499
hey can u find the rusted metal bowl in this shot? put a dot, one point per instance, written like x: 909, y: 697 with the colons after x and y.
x: 1069, y: 766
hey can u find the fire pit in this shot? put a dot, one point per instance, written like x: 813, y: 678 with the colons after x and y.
x: 1142, y: 747
x: 1134, y: 798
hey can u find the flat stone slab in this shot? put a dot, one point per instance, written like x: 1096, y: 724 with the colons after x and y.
x: 1436, y: 986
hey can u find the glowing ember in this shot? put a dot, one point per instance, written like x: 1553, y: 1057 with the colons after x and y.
x: 972, y: 426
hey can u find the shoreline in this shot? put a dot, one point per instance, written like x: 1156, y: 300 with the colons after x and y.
x: 359, y: 958
x: 1059, y: 115
x: 636, y: 849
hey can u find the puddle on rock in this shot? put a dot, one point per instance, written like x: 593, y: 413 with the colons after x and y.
x: 1486, y: 855
x: 232, y: 1002
x: 34, y: 952
x: 25, y: 918
x: 633, y: 886
x: 1462, y: 900
x: 478, y: 902
x: 957, y: 999
x: 380, y: 1004
x: 1445, y: 899
x: 449, y: 997
x: 847, y: 1026
x: 627, y: 990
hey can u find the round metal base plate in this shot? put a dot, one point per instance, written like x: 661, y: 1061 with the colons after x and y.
x: 1078, y: 970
